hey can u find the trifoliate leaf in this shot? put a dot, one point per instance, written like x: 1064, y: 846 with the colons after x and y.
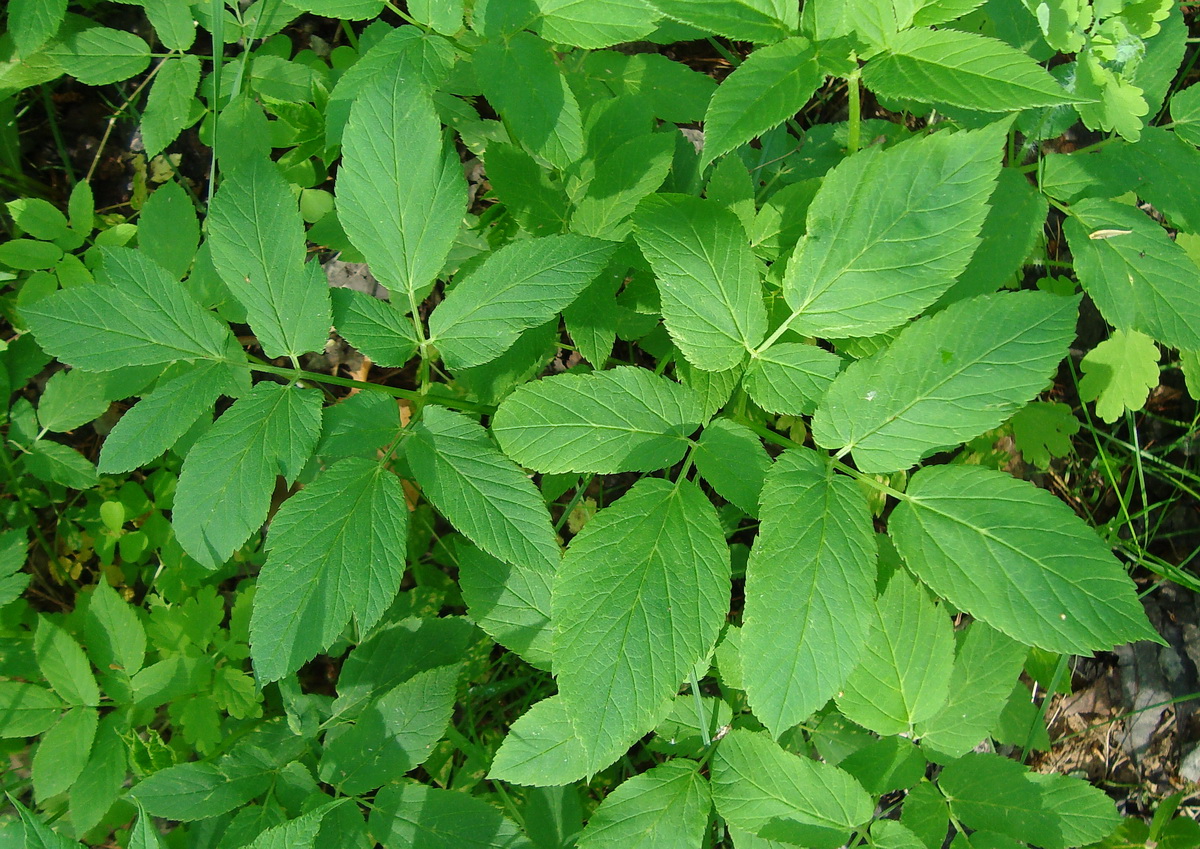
x: 707, y: 278
x: 520, y: 286
x: 622, y: 420
x: 1052, y: 584
x: 479, y: 490
x: 401, y: 194
x: 962, y: 69
x: 759, y: 787
x: 1119, y: 373
x: 639, y: 600
x: 541, y: 749
x: 888, y: 232
x: 256, y: 238
x: 334, y: 552
x: 809, y: 589
x: 1043, y: 430
x: 946, y: 378
x: 227, y: 478
x: 1139, y: 278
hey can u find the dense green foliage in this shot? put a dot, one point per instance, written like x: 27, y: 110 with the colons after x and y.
x: 674, y: 489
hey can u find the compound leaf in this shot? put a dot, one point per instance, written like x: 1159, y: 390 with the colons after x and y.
x: 137, y: 316
x: 640, y: 598
x: 401, y: 193
x: 772, y: 85
x: 1119, y: 373
x: 541, y: 749
x: 664, y: 807
x: 622, y: 420
x: 331, y: 554
x: 522, y: 285
x: 1016, y: 557
x: 227, y: 478
x: 762, y: 789
x: 904, y: 675
x: 889, y: 230
x: 809, y: 589
x: 946, y: 378
x: 708, y: 279
x: 962, y: 69
x: 256, y: 238
x: 1139, y: 278
x: 479, y: 490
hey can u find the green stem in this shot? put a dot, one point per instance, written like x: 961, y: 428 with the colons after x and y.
x: 407, y: 394
x: 580, y: 489
x: 854, y: 121
x: 1041, y: 714
x: 700, y: 720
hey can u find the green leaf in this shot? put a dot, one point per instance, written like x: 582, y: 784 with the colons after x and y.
x: 379, y: 330
x: 401, y: 194
x: 592, y: 319
x: 925, y: 814
x: 762, y: 789
x: 227, y: 478
x: 525, y: 188
x: 790, y: 377
x: 549, y: 125
x: 1108, y: 100
x: 1043, y: 430
x: 38, y: 835
x: 406, y: 815
x: 663, y: 808
x: 985, y: 667
x: 57, y: 463
x: 889, y: 231
x: 991, y: 793
x: 479, y: 490
x: 886, y: 764
x: 595, y: 23
x: 195, y: 791
x: 137, y: 316
x: 393, y: 735
x: 299, y: 833
x: 26, y: 709
x: 511, y: 602
x: 962, y: 69
x: 39, y: 218
x: 33, y: 22
x: 63, y: 752
x: 904, y: 676
x: 444, y: 16
x: 114, y: 634
x: 761, y: 21
x: 1119, y: 373
x: 707, y: 278
x: 1185, y: 111
x: 731, y: 458
x: 29, y: 255
x: 1084, y: 813
x: 522, y: 285
x: 1139, y: 278
x: 144, y: 835
x: 100, y: 55
x: 168, y: 231
x: 256, y: 237
x: 676, y: 92
x: 331, y: 555
x: 946, y: 379
x: 640, y: 598
x: 1189, y: 363
x: 350, y: 10
x: 622, y: 420
x: 169, y: 106
x: 13, y: 547
x: 70, y: 399
x: 173, y: 23
x: 622, y: 178
x: 889, y: 834
x: 103, y: 779
x: 358, y: 425
x: 541, y: 749
x: 1016, y: 557
x: 64, y: 665
x: 772, y: 85
x: 809, y: 589
x: 157, y: 422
